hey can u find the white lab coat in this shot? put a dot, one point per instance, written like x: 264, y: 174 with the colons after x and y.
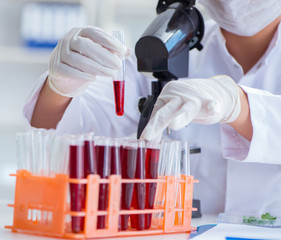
x: 235, y: 175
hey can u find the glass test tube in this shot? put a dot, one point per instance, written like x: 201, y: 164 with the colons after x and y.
x: 176, y: 172
x: 76, y: 170
x: 128, y: 168
x: 37, y: 151
x: 183, y: 169
x: 185, y: 159
x: 46, y: 140
x: 41, y: 142
x: 59, y: 155
x: 90, y: 162
x: 23, y: 144
x: 116, y: 150
x: 103, y: 156
x: 165, y: 157
x: 151, y: 172
x: 138, y: 202
x: 119, y: 79
x: 172, y: 162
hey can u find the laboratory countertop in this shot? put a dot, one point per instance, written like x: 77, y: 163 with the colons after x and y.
x: 6, y: 218
x: 220, y: 231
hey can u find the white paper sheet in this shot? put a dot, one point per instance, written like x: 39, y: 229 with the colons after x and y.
x: 223, y: 230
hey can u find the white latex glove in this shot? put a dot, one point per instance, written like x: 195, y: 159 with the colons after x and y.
x: 80, y: 56
x: 204, y: 101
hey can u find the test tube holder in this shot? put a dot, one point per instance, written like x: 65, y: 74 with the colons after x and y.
x: 41, y: 206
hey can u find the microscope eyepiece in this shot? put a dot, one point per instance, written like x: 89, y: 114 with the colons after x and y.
x: 164, y: 4
x: 165, y: 44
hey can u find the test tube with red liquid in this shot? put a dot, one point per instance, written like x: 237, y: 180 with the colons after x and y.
x: 151, y: 172
x: 119, y: 79
x: 115, y: 148
x: 128, y: 168
x: 77, y: 191
x: 90, y: 162
x: 103, y: 156
x: 138, y: 220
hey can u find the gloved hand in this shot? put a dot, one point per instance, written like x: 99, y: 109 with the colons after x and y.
x: 204, y: 101
x: 80, y: 56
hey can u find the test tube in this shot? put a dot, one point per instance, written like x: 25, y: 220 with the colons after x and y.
x: 59, y: 155
x: 23, y: 144
x: 128, y: 166
x: 151, y: 172
x: 90, y: 163
x: 185, y: 158
x: 171, y: 163
x: 119, y: 79
x: 165, y: 157
x: 46, y: 139
x: 176, y: 171
x: 40, y: 149
x: 37, y: 151
x: 76, y: 170
x: 183, y: 169
x: 103, y: 157
x: 138, y: 202
x: 115, y: 149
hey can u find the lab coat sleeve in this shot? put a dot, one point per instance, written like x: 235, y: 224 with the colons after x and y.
x: 94, y: 111
x: 265, y: 111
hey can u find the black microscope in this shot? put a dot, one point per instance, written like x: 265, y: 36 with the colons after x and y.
x: 163, y: 50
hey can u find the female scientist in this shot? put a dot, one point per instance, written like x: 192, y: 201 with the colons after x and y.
x: 234, y: 117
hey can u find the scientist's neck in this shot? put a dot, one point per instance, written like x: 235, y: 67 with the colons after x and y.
x: 248, y: 50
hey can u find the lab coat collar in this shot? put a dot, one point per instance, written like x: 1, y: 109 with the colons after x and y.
x: 265, y: 59
x: 228, y: 55
x: 273, y: 45
x: 270, y: 52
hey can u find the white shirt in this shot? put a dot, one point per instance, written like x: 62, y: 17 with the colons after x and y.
x: 234, y: 175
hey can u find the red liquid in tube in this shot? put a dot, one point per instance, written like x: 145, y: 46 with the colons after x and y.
x: 138, y: 220
x: 103, y: 167
x: 119, y: 89
x: 77, y: 191
x: 151, y: 171
x: 116, y: 167
x: 128, y: 172
x: 115, y: 160
x: 90, y: 163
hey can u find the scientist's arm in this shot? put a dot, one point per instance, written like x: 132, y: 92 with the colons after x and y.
x: 205, y: 101
x: 80, y: 56
x: 247, y: 51
x: 175, y: 109
x: 49, y: 108
x: 243, y: 124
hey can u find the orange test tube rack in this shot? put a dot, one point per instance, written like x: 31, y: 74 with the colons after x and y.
x: 41, y: 206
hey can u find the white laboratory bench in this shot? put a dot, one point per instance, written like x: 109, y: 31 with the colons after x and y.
x: 6, y: 218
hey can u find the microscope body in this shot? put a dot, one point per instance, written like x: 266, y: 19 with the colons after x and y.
x: 164, y: 48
